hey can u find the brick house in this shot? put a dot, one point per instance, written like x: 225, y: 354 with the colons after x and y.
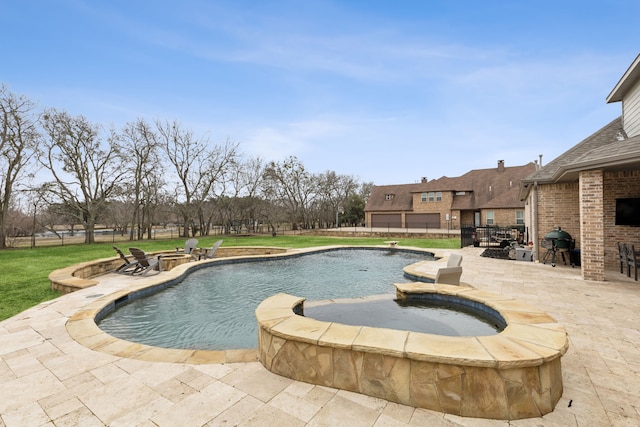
x: 578, y: 190
x: 479, y: 197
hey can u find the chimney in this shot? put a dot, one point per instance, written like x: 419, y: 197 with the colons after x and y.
x: 540, y: 157
x: 424, y: 179
x: 500, y: 165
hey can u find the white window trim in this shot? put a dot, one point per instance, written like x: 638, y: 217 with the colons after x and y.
x: 490, y: 216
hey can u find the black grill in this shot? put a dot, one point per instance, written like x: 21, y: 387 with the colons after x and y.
x: 557, y: 241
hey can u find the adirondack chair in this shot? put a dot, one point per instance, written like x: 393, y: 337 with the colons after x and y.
x: 209, y: 254
x: 189, y: 248
x: 145, y: 262
x: 128, y: 265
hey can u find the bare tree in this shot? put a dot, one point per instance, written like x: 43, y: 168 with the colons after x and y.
x: 18, y: 148
x: 200, y: 170
x: 117, y: 215
x: 144, y: 173
x: 240, y: 203
x: 334, y: 191
x: 250, y: 173
x: 86, y: 169
x: 288, y: 184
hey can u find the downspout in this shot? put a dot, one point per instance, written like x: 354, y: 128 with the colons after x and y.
x: 534, y: 214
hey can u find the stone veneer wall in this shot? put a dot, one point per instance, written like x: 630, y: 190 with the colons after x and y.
x: 515, y: 374
x: 79, y: 276
x: 231, y: 251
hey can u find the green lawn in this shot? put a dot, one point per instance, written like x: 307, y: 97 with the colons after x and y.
x: 24, y: 278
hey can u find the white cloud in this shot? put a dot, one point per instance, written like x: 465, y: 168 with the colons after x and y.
x: 290, y: 139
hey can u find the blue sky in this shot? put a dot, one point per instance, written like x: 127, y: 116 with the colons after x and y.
x: 386, y: 91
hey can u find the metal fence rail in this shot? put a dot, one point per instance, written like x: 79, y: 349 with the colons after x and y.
x: 491, y: 236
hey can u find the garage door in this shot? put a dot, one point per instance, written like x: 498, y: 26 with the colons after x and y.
x: 386, y: 220
x: 426, y: 220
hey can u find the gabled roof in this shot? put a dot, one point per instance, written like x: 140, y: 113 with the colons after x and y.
x: 607, y: 149
x: 620, y: 154
x: 491, y: 185
x: 444, y: 183
x: 554, y: 169
x: 508, y: 199
x: 479, y: 186
x: 628, y: 79
x: 402, y: 199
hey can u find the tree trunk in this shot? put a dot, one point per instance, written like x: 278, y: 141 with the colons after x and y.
x: 3, y: 237
x: 89, y: 229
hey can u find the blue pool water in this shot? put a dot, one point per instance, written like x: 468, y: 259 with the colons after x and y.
x: 418, y: 315
x: 213, y: 308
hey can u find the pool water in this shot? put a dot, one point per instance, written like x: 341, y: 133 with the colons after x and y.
x: 430, y: 317
x: 213, y: 308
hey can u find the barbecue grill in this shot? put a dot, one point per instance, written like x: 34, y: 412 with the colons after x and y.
x: 557, y: 241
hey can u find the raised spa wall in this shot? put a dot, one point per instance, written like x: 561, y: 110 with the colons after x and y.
x: 80, y: 276
x: 512, y: 375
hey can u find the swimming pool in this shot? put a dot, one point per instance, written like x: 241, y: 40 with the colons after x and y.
x: 213, y: 308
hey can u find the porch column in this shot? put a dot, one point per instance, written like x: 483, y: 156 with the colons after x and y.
x: 592, y: 225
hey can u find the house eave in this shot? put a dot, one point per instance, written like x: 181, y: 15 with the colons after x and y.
x: 629, y: 78
x: 613, y: 163
x: 570, y: 172
x: 525, y: 189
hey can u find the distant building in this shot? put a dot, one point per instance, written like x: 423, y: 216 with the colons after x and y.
x: 479, y: 197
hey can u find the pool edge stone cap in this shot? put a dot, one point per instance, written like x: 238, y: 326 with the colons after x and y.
x: 512, y: 375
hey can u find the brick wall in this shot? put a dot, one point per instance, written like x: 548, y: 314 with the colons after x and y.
x: 559, y: 206
x: 465, y: 217
x: 443, y: 207
x: 592, y: 218
x: 617, y: 185
x: 501, y: 217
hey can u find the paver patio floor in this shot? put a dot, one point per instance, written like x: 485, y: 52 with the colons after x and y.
x: 48, y: 379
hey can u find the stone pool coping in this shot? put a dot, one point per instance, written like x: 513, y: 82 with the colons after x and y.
x: 82, y: 275
x: 427, y: 270
x: 82, y: 326
x: 512, y: 375
x: 531, y: 337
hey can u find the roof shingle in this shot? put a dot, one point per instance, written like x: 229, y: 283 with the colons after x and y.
x: 494, y: 187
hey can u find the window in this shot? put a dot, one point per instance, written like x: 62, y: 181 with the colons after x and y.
x: 519, y: 217
x: 489, y: 217
x: 388, y: 196
x: 431, y: 196
x: 438, y: 196
x: 423, y: 197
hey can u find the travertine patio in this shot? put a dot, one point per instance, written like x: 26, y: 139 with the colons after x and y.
x: 48, y: 378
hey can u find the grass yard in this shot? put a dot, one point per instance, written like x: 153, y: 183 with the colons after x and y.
x: 24, y: 279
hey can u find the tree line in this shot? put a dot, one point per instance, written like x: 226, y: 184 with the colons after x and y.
x: 58, y: 169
